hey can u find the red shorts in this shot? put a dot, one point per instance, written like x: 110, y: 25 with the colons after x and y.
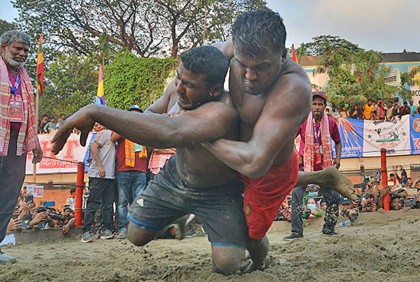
x: 263, y: 196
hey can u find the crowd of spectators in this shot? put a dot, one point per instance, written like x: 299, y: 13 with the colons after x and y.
x: 28, y: 216
x: 375, y: 110
x: 401, y: 193
x: 48, y: 123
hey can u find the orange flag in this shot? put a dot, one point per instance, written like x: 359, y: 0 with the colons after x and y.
x: 40, y: 68
x: 294, y: 56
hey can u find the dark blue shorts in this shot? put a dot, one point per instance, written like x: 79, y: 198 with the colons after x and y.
x: 166, y: 198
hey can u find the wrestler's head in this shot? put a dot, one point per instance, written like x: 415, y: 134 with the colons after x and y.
x: 259, y: 49
x: 200, y: 76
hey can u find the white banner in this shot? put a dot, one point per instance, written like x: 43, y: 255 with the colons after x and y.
x: 65, y: 161
x: 36, y: 191
x: 394, y: 136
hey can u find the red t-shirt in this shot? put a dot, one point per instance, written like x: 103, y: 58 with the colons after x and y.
x: 139, y: 164
x: 335, y: 136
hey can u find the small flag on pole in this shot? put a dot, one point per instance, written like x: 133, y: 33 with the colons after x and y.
x: 294, y: 56
x: 100, y: 98
x: 40, y: 68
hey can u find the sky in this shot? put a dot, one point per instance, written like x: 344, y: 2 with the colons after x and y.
x: 381, y: 25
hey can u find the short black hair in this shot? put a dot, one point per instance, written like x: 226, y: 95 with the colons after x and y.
x: 209, y: 61
x: 259, y: 32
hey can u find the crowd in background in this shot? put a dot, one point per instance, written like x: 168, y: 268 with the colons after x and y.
x: 401, y: 193
x: 375, y: 110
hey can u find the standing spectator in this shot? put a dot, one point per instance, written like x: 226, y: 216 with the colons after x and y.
x: 368, y: 110
x: 130, y: 174
x: 18, y: 125
x: 334, y: 112
x: 396, y: 108
x: 51, y: 125
x: 316, y: 153
x: 389, y: 112
x: 380, y: 110
x: 418, y: 109
x: 343, y: 111
x: 355, y: 112
x: 404, y: 109
x: 42, y: 123
x: 413, y: 107
x: 71, y: 200
x: 101, y: 185
x: 60, y: 120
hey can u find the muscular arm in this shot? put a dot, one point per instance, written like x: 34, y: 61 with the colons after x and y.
x: 277, y: 126
x: 210, y: 121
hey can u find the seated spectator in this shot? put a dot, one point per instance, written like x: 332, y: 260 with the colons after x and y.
x: 403, y: 179
x: 285, y: 212
x: 312, y: 210
x: 41, y: 219
x: 397, y: 201
x: 68, y: 220
x: 416, y: 183
x: 367, y: 204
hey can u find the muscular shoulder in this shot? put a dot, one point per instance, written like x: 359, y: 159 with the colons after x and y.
x: 291, y: 92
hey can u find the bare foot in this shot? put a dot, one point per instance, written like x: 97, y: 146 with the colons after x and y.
x: 333, y: 178
x: 250, y: 266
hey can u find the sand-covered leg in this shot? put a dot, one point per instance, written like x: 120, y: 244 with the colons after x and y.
x: 329, y: 177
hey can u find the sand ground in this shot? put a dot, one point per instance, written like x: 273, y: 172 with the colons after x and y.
x: 379, y: 247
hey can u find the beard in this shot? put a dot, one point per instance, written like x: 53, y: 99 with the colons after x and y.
x: 9, y: 59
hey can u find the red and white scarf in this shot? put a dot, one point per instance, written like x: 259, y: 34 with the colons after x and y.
x: 309, y: 151
x: 27, y: 139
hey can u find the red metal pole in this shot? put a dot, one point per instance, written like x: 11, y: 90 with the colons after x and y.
x: 384, y: 174
x: 384, y: 180
x: 78, y: 213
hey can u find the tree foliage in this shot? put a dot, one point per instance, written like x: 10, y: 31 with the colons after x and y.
x: 322, y: 43
x: 144, y: 27
x: 131, y: 80
x: 6, y: 26
x: 71, y: 82
x: 354, y: 76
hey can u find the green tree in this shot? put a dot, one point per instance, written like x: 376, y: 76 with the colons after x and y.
x: 354, y: 77
x: 5, y: 26
x: 144, y: 27
x: 71, y: 82
x: 323, y: 43
x: 131, y: 80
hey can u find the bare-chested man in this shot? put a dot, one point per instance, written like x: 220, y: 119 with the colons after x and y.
x: 193, y: 180
x: 272, y: 95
